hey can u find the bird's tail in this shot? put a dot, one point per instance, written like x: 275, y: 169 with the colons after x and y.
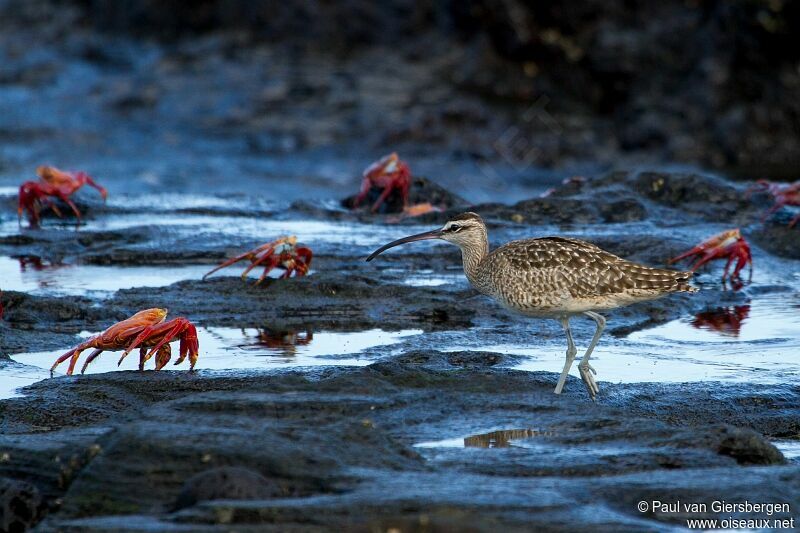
x: 661, y: 280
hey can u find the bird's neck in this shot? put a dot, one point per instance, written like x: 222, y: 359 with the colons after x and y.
x: 471, y: 255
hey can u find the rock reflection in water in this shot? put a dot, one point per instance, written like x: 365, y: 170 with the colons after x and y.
x: 501, y: 438
x: 494, y: 439
x: 283, y: 341
x: 723, y: 320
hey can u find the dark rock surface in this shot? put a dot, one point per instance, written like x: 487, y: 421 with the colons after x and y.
x: 336, y: 449
x: 21, y: 505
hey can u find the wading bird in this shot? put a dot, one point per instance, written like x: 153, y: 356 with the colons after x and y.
x: 553, y: 277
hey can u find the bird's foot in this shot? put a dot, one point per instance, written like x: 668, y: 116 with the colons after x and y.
x: 588, y: 379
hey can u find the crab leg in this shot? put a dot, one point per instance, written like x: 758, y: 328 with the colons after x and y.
x: 743, y: 260
x: 705, y: 258
x: 229, y: 262
x: 145, y: 333
x: 177, y: 326
x: 366, y: 186
x: 62, y: 359
x: 382, y: 198
x: 73, y: 355
x: 289, y: 269
x: 92, y: 357
x: 49, y: 203
x: 259, y: 259
x: 64, y: 197
x: 86, y: 178
x: 727, y: 267
x: 249, y: 255
x: 267, y: 269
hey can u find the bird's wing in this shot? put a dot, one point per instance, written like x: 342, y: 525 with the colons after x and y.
x: 581, y: 268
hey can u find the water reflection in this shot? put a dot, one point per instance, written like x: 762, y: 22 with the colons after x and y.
x: 282, y: 341
x: 762, y: 350
x: 33, y: 275
x: 503, y: 438
x: 34, y: 262
x: 234, y: 348
x: 723, y: 320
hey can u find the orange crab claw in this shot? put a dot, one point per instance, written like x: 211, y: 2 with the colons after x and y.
x: 729, y: 244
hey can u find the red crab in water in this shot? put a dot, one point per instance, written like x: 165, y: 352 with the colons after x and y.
x: 388, y: 173
x: 788, y: 194
x: 146, y: 329
x: 54, y: 183
x: 283, y: 252
x: 728, y: 244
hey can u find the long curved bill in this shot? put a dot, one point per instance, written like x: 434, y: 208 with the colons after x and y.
x: 435, y: 234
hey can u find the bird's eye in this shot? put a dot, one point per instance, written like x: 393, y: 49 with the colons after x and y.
x: 454, y: 227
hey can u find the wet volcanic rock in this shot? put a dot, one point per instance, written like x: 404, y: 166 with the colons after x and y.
x: 336, y: 448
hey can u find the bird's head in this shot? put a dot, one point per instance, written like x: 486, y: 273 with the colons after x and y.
x: 464, y: 230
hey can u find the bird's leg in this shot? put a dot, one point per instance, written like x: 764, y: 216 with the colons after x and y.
x: 584, y: 367
x: 571, y: 351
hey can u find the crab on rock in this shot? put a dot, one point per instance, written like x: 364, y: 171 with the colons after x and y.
x: 146, y: 329
x: 788, y: 194
x: 389, y: 173
x: 53, y: 183
x: 283, y: 252
x: 729, y: 244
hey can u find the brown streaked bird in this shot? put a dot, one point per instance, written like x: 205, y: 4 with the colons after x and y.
x: 553, y: 277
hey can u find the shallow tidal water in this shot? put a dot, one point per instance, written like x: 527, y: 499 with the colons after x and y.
x: 754, y: 341
x: 222, y: 349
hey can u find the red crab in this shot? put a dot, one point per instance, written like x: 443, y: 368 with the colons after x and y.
x: 54, y: 183
x: 283, y: 252
x: 389, y: 173
x: 728, y: 244
x: 146, y: 329
x: 788, y: 194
